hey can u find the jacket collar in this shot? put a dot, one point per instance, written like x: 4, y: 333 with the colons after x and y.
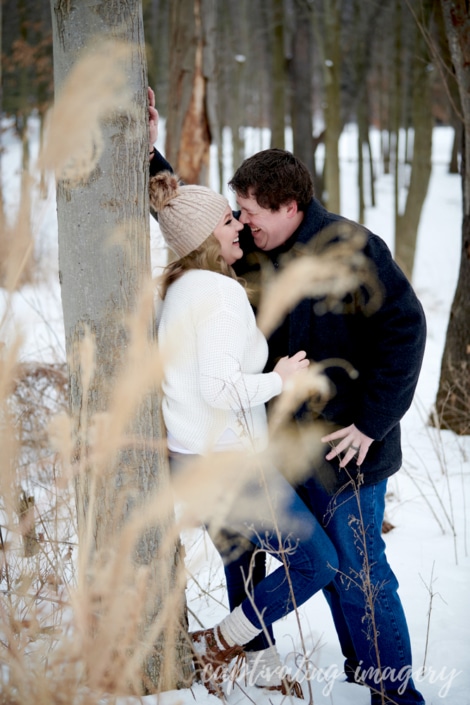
x: 313, y: 221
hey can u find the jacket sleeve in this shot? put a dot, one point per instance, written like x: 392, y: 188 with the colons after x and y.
x: 158, y: 163
x: 393, y: 344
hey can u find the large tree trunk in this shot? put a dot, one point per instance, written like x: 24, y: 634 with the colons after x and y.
x: 453, y: 397
x: 188, y: 134
x: 104, y: 263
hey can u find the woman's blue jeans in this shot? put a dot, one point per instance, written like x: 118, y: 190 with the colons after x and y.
x: 286, y: 529
x: 294, y: 537
x: 363, y: 597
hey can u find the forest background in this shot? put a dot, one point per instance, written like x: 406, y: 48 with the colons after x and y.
x: 242, y: 69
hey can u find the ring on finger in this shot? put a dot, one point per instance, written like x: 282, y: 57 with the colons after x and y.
x: 355, y: 448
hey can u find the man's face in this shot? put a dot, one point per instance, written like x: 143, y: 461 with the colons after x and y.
x: 270, y: 229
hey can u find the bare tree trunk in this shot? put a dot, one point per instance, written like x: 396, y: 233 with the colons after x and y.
x: 371, y: 170
x: 361, y: 136
x: 361, y: 110
x: 237, y: 26
x: 384, y: 111
x: 333, y: 103
x: 278, y: 125
x: 188, y: 133
x: 453, y: 396
x: 301, y: 93
x: 156, y: 24
x: 104, y: 263
x: 423, y: 122
x: 396, y: 113
x: 456, y: 146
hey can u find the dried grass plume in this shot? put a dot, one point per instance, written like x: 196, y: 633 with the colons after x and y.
x: 73, y: 136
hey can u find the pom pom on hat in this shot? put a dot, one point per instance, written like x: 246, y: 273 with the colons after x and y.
x: 162, y: 188
x: 187, y: 214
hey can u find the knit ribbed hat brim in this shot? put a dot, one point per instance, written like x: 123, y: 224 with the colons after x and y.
x: 187, y: 214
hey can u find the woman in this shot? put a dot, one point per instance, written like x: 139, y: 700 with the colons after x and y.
x: 214, y: 395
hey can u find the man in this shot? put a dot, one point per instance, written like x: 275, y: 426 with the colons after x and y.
x: 385, y: 346
x: 275, y: 193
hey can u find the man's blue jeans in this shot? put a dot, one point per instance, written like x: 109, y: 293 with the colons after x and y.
x: 363, y: 597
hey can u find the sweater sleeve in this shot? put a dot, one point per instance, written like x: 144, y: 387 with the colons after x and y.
x: 222, y: 349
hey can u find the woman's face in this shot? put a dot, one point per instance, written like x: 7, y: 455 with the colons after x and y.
x: 226, y: 233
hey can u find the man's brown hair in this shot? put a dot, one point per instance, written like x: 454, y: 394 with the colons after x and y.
x: 274, y: 177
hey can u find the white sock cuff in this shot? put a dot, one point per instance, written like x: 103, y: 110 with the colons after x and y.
x: 236, y: 628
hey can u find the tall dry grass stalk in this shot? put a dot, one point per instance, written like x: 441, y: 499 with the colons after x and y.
x: 328, y: 271
x: 73, y: 140
x: 17, y: 242
x: 72, y: 625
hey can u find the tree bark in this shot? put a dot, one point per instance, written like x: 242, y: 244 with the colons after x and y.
x: 423, y: 122
x: 453, y: 396
x: 396, y: 114
x: 104, y: 264
x: 236, y: 24
x: 188, y: 134
x: 333, y: 103
x: 278, y: 125
x: 301, y: 93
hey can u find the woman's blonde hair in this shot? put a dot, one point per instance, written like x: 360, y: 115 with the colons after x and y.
x: 206, y: 256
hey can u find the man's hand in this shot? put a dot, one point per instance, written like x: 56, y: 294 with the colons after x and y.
x: 351, y: 442
x: 153, y: 119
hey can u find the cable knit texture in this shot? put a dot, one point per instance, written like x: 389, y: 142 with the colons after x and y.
x: 214, y: 357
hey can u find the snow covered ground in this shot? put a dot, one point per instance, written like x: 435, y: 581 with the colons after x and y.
x: 427, y: 498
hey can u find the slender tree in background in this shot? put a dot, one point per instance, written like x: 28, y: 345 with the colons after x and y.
x: 422, y: 123
x: 301, y: 68
x: 453, y: 396
x: 278, y: 119
x: 333, y: 119
x: 396, y: 106
x: 362, y: 108
x: 156, y: 22
x: 104, y: 262
x: 366, y: 18
x: 236, y: 31
x: 439, y: 46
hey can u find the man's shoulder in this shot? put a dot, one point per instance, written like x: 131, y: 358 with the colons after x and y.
x: 316, y: 219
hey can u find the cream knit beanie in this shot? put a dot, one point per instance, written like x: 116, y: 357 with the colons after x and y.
x: 187, y: 215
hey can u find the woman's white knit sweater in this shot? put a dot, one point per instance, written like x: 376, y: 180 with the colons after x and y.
x: 214, y: 356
